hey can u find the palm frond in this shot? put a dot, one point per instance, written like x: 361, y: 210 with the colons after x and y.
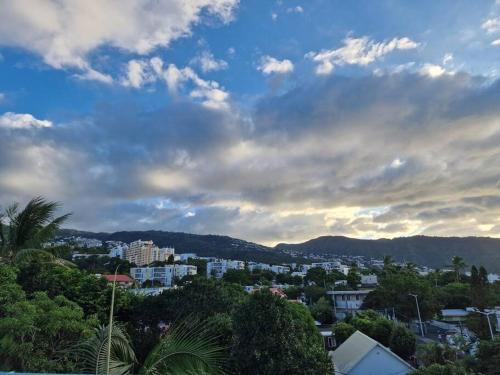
x: 92, y: 353
x: 28, y: 255
x: 187, y: 348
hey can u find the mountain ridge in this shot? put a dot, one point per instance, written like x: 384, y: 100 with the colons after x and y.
x: 432, y: 251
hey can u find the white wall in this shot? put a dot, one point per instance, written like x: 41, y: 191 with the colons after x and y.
x: 379, y: 362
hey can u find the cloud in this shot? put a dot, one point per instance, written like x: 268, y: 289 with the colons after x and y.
x: 11, y: 120
x: 448, y: 58
x: 496, y: 42
x: 432, y: 70
x: 208, y: 63
x: 2, y: 97
x: 366, y: 156
x: 357, y: 51
x: 491, y: 25
x: 296, y: 9
x: 138, y: 73
x: 269, y: 65
x: 65, y: 33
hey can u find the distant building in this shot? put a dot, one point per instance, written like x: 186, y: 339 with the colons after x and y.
x: 118, y: 251
x: 185, y: 256
x: 123, y: 281
x: 220, y: 267
x: 268, y: 267
x: 369, y: 280
x: 87, y: 242
x: 362, y: 355
x: 162, y: 275
x: 348, y: 300
x: 327, y: 266
x: 145, y: 252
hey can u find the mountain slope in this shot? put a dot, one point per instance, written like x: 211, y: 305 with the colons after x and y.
x: 203, y: 245
x: 430, y: 251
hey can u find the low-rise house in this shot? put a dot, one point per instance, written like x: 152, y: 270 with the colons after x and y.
x: 454, y: 315
x: 123, y: 281
x: 362, y: 355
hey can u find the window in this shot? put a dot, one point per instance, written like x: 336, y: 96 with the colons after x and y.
x: 329, y: 341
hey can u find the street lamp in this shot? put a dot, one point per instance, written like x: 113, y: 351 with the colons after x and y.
x: 488, y: 318
x: 418, y: 311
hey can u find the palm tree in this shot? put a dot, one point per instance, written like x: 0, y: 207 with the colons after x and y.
x: 185, y: 349
x: 458, y: 265
x: 26, y: 230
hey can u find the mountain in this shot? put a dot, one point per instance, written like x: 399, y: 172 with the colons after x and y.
x: 203, y: 245
x: 431, y: 251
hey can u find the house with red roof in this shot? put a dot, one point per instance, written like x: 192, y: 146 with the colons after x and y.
x: 123, y: 281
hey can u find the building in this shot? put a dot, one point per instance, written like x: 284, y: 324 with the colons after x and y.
x: 162, y: 275
x: 143, y: 253
x: 348, y: 300
x: 268, y: 267
x: 185, y: 256
x: 327, y: 266
x: 123, y: 281
x: 118, y: 251
x: 362, y: 355
x: 220, y: 267
x: 369, y: 280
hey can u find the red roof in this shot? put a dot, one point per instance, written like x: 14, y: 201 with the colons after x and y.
x: 278, y: 292
x: 119, y: 278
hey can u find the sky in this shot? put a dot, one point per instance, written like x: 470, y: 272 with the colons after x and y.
x: 272, y: 121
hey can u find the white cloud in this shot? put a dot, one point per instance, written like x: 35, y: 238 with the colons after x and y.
x: 209, y: 63
x: 90, y: 74
x: 447, y: 58
x: 64, y: 33
x: 274, y: 16
x: 21, y: 121
x: 496, y: 42
x: 269, y: 65
x: 357, y: 51
x: 297, y: 9
x: 140, y: 72
x: 491, y: 25
x: 432, y: 70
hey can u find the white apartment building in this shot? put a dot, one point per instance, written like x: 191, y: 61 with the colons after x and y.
x: 327, y: 266
x: 349, y: 300
x: 118, y: 251
x: 145, y: 252
x: 220, y: 267
x: 185, y: 256
x: 263, y: 266
x: 370, y: 280
x: 164, y: 275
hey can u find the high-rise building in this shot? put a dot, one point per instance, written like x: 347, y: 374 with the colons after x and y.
x: 163, y: 275
x: 145, y: 252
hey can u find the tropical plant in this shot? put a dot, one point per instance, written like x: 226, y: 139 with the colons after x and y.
x: 186, y: 348
x: 458, y: 265
x: 27, y: 229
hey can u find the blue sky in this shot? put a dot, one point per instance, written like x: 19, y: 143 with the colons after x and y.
x: 268, y: 120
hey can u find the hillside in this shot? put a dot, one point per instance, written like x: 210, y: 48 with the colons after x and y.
x: 431, y: 251
x: 203, y: 245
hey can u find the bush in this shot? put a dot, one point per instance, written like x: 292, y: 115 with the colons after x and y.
x: 403, y: 342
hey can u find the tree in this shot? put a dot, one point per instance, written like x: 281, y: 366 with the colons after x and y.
x: 36, y: 333
x: 29, y: 228
x: 322, y: 311
x: 353, y: 278
x: 342, y: 331
x: 274, y: 336
x: 434, y: 353
x: 438, y: 369
x: 458, y: 265
x: 316, y: 275
x: 402, y: 342
x: 488, y: 357
x: 388, y: 261
x: 185, y: 349
x: 382, y: 330
x: 241, y: 277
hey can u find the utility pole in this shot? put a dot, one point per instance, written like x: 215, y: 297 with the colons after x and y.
x: 419, y: 317
x: 488, y: 318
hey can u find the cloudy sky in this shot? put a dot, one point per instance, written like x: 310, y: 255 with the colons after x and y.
x: 267, y: 120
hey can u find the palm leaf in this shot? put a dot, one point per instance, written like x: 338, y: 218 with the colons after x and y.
x: 185, y: 349
x: 28, y: 255
x: 92, y: 353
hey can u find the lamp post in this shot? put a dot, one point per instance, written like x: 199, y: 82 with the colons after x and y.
x: 418, y: 311
x: 488, y: 318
